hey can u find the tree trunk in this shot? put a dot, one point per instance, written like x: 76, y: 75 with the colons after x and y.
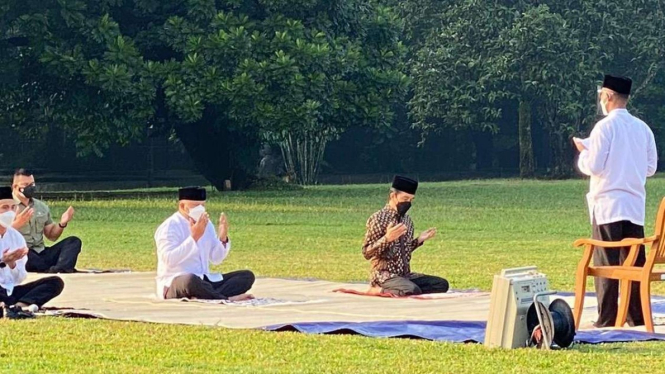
x: 525, y: 140
x: 562, y: 155
x: 303, y: 155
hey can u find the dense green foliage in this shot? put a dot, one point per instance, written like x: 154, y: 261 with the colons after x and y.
x: 219, y: 75
x: 488, y: 85
x: 541, y: 60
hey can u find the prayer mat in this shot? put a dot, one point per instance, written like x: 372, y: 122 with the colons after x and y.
x: 307, y: 305
x: 256, y: 302
x: 102, y: 271
x: 432, y: 296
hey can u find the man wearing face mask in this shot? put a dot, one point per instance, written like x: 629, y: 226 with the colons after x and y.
x: 34, y: 222
x: 13, y: 256
x: 619, y: 155
x: 187, y: 244
x: 389, y: 244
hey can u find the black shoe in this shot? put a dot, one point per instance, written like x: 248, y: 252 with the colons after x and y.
x: 15, y: 312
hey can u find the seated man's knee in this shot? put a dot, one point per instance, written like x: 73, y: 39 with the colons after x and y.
x: 184, y: 280
x: 407, y: 291
x: 415, y: 290
x: 75, y: 243
x: 58, y: 285
x: 443, y: 286
x: 403, y: 289
x: 249, y: 275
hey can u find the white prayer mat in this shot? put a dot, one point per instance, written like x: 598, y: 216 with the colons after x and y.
x: 131, y: 297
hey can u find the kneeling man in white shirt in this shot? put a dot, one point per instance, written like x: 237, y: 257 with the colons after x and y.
x: 13, y: 251
x: 187, y: 244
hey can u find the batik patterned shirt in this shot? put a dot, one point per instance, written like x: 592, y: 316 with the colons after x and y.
x: 388, y: 260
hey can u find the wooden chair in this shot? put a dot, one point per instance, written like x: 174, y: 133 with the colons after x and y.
x: 625, y: 273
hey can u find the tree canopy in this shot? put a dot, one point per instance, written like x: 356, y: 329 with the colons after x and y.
x: 225, y: 76
x: 216, y: 74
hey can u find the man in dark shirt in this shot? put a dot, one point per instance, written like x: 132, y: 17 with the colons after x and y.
x: 389, y: 243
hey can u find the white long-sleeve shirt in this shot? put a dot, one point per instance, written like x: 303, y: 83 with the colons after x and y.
x: 9, y: 278
x: 620, y: 154
x: 178, y: 253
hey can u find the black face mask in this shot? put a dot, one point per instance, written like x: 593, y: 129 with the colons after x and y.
x: 403, y: 207
x: 29, y: 191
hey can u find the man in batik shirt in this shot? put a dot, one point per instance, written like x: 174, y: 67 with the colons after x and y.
x: 389, y: 243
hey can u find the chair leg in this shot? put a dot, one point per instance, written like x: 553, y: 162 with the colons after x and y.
x: 624, y: 301
x: 580, y: 289
x: 645, y: 296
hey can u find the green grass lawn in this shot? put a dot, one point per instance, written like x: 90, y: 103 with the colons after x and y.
x: 484, y: 226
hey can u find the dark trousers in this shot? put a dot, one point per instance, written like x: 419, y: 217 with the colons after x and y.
x: 38, y: 292
x: 401, y: 286
x: 607, y: 290
x: 192, y: 287
x: 60, y: 258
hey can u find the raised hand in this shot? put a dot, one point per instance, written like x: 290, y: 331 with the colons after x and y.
x: 427, y: 235
x: 579, y: 144
x: 198, y: 228
x: 10, y: 257
x: 23, y: 217
x: 67, y: 216
x: 223, y: 228
x: 395, y: 231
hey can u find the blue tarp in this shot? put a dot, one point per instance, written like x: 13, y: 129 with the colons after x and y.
x: 462, y: 331
x: 449, y: 331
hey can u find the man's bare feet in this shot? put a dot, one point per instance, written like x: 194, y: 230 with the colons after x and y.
x: 241, y: 297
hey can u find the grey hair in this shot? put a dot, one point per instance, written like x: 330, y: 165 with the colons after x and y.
x: 394, y: 190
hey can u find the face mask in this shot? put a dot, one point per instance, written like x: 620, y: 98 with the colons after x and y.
x: 603, y: 107
x: 196, y: 212
x: 403, y: 207
x: 7, y: 218
x: 29, y: 191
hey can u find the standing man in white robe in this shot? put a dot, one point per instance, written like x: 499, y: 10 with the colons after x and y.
x: 13, y: 256
x: 187, y: 244
x: 619, y: 155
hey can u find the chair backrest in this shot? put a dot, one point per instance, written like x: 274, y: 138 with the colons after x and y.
x: 657, y: 253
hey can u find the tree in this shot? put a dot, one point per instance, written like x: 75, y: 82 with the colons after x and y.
x: 616, y: 37
x: 544, y: 66
x: 456, y: 75
x: 541, y: 60
x: 218, y: 75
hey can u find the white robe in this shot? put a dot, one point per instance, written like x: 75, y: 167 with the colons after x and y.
x: 178, y: 253
x: 9, y: 278
x: 620, y: 155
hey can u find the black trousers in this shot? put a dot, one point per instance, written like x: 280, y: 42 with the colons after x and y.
x: 60, y: 258
x: 401, y: 286
x: 38, y: 292
x: 192, y: 287
x: 607, y: 290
